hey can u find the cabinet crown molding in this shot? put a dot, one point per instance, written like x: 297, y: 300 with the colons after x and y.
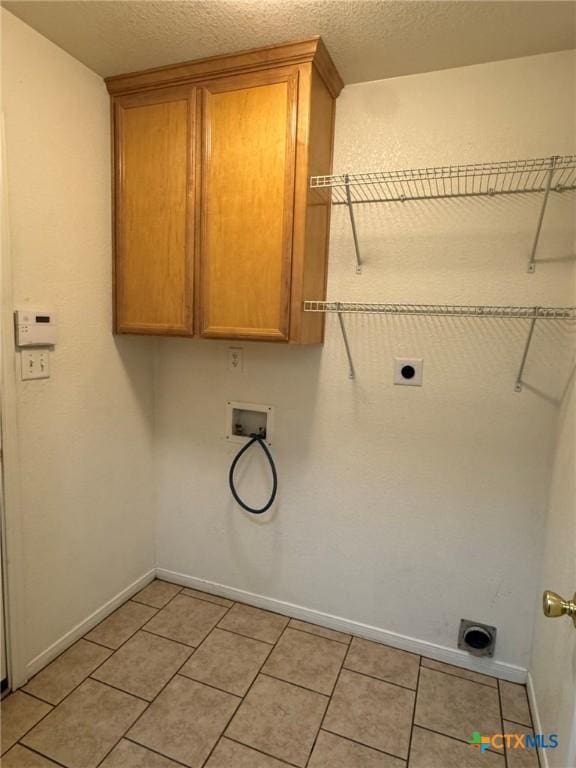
x: 311, y: 50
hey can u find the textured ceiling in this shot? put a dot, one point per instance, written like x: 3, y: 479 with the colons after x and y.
x: 368, y: 39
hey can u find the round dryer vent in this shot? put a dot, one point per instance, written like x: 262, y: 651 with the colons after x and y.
x: 476, y: 638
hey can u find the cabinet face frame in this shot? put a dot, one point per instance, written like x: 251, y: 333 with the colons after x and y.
x: 186, y: 93
x: 230, y: 83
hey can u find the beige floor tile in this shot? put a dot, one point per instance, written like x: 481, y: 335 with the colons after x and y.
x: 227, y: 661
x: 383, y: 662
x: 254, y: 622
x: 431, y: 750
x: 121, y: 625
x: 230, y: 754
x: 279, y: 719
x: 207, y: 596
x: 314, y: 629
x: 81, y: 730
x: 307, y: 660
x: 143, y: 665
x: 467, y: 674
x: 186, y: 620
x: 157, y: 594
x: 19, y: 713
x: 517, y: 757
x: 456, y: 707
x: 20, y: 757
x: 372, y: 712
x: 514, y: 703
x: 66, y: 672
x: 129, y: 755
x: 331, y: 751
x: 185, y: 721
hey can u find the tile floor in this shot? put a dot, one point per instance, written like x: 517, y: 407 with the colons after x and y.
x: 177, y: 677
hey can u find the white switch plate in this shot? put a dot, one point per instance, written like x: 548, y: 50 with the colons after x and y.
x: 408, y: 371
x: 35, y: 364
x: 235, y: 359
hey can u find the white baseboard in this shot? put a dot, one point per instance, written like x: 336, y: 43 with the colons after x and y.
x: 86, y: 625
x: 404, y: 642
x: 536, y: 721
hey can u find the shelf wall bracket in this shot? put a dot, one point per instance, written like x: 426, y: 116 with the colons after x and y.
x: 549, y: 177
x: 353, y: 224
x: 519, y: 382
x: 352, y: 372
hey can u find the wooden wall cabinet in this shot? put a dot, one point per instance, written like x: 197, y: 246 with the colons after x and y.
x: 216, y: 232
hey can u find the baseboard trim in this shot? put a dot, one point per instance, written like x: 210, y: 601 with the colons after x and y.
x: 89, y: 623
x: 403, y: 642
x: 536, y: 721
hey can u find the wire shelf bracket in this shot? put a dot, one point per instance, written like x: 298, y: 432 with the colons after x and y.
x: 352, y: 370
x: 532, y: 259
x: 353, y: 225
x: 519, y: 382
x: 443, y: 310
x: 537, y: 175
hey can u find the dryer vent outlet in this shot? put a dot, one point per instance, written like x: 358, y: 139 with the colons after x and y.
x: 476, y: 638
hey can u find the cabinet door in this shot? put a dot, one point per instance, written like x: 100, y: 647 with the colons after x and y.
x: 154, y: 141
x: 248, y: 166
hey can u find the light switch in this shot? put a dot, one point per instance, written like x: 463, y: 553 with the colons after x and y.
x: 35, y: 364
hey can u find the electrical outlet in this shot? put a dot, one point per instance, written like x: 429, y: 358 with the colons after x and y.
x: 235, y: 359
x: 35, y: 364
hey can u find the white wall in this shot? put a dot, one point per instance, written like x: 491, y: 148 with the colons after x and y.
x: 401, y: 508
x: 85, y: 435
x: 553, y: 662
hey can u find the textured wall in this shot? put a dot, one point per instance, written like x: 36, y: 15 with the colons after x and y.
x: 403, y: 508
x: 553, y: 663
x: 85, y: 433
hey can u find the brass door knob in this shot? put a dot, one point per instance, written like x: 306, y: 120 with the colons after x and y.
x: 553, y: 606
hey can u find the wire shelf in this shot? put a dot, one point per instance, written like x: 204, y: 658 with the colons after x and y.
x: 557, y: 173
x: 444, y: 310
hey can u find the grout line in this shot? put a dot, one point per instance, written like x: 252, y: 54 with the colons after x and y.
x: 25, y: 746
x: 255, y: 749
x: 502, y: 722
x: 157, y: 634
x: 363, y: 744
x: 461, y: 677
x: 208, y: 685
x: 296, y: 685
x: 413, y: 713
x: 122, y: 690
x: 379, y: 679
x: 39, y: 698
x: 200, y: 596
x: 223, y: 729
x: 250, y: 637
x: 322, y: 637
x: 455, y: 738
x: 515, y: 722
x: 85, y: 637
x: 326, y: 710
x: 150, y: 749
x: 191, y: 648
x: 141, y: 602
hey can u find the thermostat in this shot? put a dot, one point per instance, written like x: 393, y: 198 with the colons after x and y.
x: 35, y: 329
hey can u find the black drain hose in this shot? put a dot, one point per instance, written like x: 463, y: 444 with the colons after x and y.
x: 261, y: 440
